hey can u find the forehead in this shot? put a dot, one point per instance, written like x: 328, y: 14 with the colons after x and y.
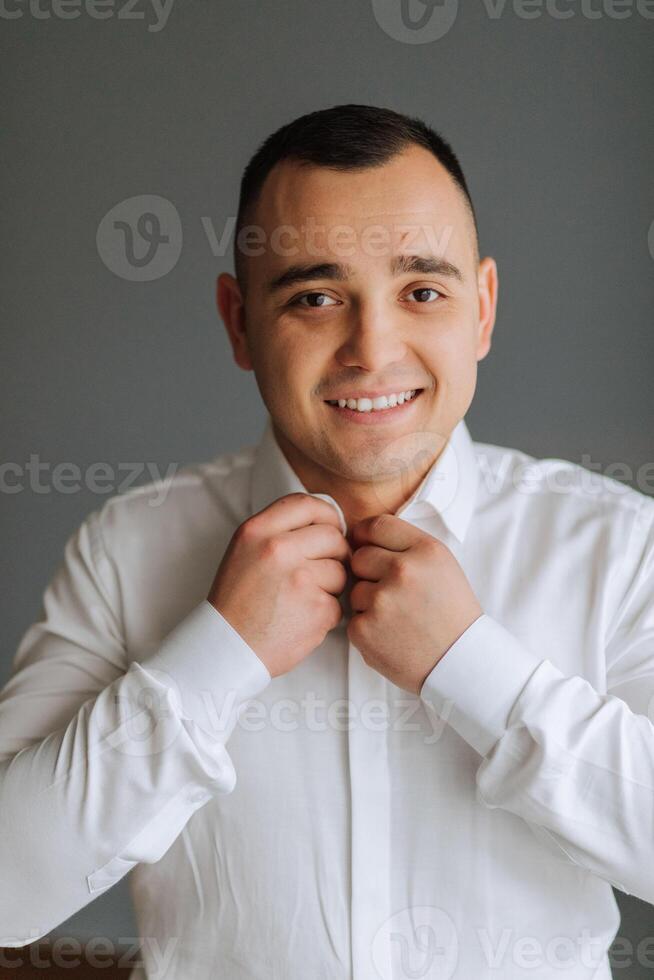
x: 409, y: 199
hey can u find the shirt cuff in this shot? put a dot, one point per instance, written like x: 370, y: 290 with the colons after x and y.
x: 475, y: 685
x: 210, y: 668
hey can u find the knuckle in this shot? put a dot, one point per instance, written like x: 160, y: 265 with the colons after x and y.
x: 248, y: 530
x: 325, y: 602
x: 335, y: 541
x: 323, y: 611
x: 436, y: 547
x: 358, y: 559
x: 296, y: 497
x: 337, y: 537
x: 399, y: 569
x: 301, y: 578
x: 377, y: 601
x: 273, y: 549
x: 379, y: 522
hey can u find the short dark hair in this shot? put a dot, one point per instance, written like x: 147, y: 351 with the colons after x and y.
x: 343, y: 137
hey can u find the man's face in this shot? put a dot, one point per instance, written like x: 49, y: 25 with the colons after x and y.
x: 368, y: 323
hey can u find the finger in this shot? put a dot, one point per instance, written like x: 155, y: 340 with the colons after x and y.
x: 321, y: 541
x: 329, y: 574
x: 386, y: 530
x: 361, y: 596
x: 295, y: 510
x: 371, y: 562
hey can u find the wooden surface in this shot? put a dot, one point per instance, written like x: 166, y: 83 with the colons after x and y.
x: 68, y: 957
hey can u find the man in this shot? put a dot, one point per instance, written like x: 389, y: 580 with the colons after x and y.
x: 368, y: 699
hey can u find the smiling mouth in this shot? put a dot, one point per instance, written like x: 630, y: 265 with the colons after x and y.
x: 366, y: 406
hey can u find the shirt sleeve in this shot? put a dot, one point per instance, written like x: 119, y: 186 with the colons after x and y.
x: 102, y: 764
x: 576, y: 765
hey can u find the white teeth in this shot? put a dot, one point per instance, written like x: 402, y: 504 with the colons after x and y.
x: 375, y: 404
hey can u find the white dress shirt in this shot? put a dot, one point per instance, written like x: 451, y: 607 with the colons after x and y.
x: 326, y: 824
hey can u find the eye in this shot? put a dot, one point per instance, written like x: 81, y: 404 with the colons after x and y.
x: 425, y: 289
x: 322, y: 296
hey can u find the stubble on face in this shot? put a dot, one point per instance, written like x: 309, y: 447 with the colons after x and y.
x: 369, y: 466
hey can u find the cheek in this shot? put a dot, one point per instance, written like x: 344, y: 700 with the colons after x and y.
x: 304, y: 364
x: 443, y: 358
x: 288, y: 372
x: 455, y: 350
x: 452, y: 362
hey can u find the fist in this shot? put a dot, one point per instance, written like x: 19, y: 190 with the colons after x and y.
x: 410, y: 602
x: 279, y: 579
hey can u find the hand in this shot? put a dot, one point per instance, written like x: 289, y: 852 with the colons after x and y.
x: 279, y: 577
x: 410, y: 602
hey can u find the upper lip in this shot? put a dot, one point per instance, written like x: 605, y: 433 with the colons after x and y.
x: 371, y: 394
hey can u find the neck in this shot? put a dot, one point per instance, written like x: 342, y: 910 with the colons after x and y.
x: 358, y: 499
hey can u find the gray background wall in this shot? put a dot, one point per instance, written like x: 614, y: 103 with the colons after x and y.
x: 551, y: 118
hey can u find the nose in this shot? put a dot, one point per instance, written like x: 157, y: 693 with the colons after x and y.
x: 373, y: 340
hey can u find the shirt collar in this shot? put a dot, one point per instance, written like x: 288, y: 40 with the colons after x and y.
x: 449, y: 488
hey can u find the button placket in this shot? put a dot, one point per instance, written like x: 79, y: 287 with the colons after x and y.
x: 370, y: 809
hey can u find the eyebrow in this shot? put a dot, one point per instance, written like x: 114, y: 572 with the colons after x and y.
x: 423, y: 264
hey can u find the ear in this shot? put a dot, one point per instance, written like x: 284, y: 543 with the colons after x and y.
x: 488, y: 287
x: 232, y: 310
